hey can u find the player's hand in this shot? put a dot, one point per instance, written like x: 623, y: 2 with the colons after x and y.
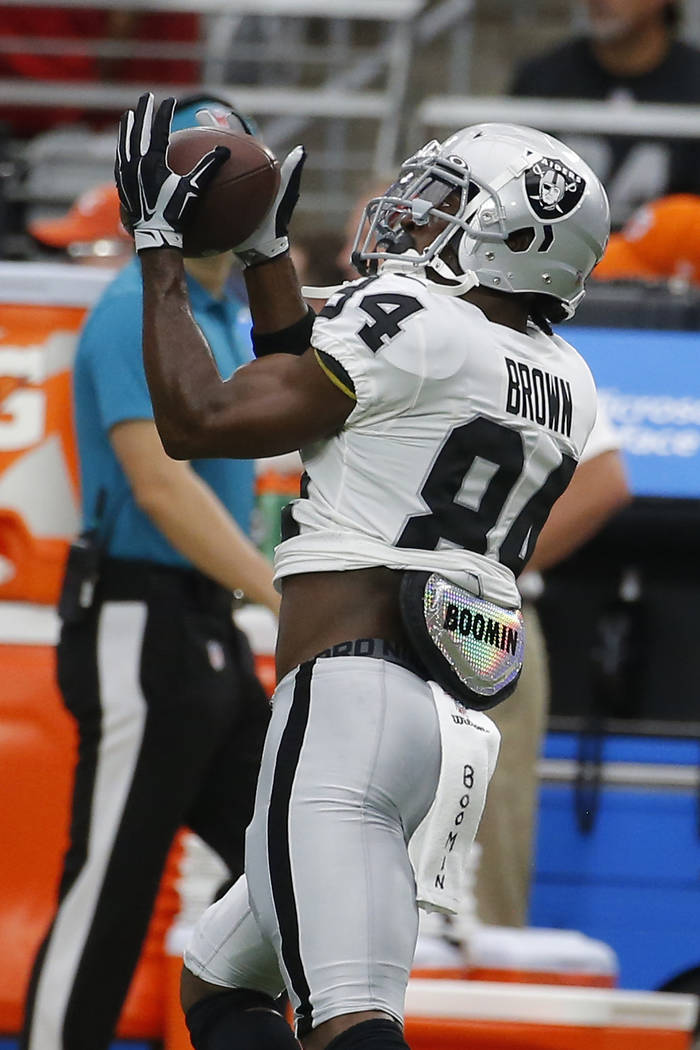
x: 156, y: 198
x: 270, y: 239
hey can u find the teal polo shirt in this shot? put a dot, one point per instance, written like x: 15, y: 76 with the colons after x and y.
x: 109, y: 387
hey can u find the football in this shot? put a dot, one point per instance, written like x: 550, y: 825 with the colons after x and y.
x: 237, y: 198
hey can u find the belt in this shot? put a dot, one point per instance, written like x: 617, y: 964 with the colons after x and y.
x: 122, y: 579
x: 378, y: 649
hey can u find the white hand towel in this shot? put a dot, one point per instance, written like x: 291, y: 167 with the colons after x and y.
x: 440, y: 844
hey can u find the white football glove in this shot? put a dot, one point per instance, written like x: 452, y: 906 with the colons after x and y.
x: 156, y: 198
x: 270, y: 239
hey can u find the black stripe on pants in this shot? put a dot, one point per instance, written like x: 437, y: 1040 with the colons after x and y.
x: 278, y: 841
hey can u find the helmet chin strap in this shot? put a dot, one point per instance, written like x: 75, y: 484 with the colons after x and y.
x: 310, y: 291
x: 408, y: 262
x: 453, y: 286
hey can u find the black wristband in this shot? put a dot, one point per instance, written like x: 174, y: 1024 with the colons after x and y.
x: 292, y: 340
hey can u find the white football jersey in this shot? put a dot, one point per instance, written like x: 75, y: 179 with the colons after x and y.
x: 464, y: 434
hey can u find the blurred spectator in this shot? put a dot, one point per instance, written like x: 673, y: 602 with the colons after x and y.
x: 75, y: 32
x: 597, y: 491
x: 317, y: 262
x: 316, y: 259
x: 90, y: 232
x: 660, y: 242
x: 630, y: 52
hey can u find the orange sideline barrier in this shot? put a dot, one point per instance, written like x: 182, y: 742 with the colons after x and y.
x: 37, y: 755
x: 439, y: 1034
x: 37, y: 743
x: 476, y: 973
x: 575, y: 980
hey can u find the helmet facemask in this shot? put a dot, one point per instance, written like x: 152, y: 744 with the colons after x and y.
x: 425, y: 182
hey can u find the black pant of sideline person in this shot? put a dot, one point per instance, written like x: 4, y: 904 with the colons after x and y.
x: 171, y: 720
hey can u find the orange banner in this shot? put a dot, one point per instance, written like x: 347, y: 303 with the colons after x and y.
x: 40, y: 320
x: 38, y: 469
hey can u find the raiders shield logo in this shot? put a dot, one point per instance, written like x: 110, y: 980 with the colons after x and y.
x: 553, y: 190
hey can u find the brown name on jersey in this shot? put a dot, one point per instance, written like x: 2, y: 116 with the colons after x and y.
x: 539, y: 396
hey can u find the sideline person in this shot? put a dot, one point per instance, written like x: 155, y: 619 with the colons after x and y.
x: 507, y: 834
x: 170, y: 714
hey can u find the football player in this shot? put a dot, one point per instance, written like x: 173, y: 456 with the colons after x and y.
x: 438, y: 418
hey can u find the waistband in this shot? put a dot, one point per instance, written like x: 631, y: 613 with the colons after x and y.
x: 378, y: 649
x: 121, y: 579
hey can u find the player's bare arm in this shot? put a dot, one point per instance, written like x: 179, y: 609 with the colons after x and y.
x: 275, y: 404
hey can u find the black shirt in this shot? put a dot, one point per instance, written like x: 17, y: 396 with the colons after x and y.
x: 633, y: 170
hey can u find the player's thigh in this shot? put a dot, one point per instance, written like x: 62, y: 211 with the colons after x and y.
x: 350, y: 768
x: 227, y: 948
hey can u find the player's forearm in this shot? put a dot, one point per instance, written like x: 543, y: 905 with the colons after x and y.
x: 197, y: 525
x: 274, y: 295
x: 197, y: 414
x: 182, y: 376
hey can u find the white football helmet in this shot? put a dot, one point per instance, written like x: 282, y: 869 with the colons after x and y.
x: 510, y: 180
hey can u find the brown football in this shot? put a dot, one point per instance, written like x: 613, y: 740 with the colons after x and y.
x: 237, y: 198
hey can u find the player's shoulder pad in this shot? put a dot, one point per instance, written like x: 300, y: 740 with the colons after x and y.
x: 374, y: 330
x: 372, y: 313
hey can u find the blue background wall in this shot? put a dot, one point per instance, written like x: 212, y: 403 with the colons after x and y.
x: 634, y: 880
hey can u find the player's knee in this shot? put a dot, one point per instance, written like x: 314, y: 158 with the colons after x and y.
x: 376, y: 1034
x: 240, y: 1018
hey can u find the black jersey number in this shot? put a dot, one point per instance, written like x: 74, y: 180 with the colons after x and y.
x: 387, y: 311
x: 332, y: 310
x: 448, y: 519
